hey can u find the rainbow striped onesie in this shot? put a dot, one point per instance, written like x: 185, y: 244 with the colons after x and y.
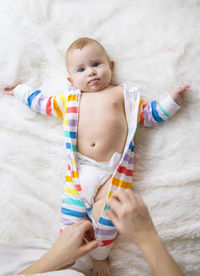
x: 66, y: 106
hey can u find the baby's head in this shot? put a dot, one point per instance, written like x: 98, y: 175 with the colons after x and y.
x: 88, y: 65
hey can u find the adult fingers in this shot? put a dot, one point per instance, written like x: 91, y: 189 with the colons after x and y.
x: 135, y: 198
x: 113, y: 216
x: 87, y: 230
x: 85, y: 225
x: 87, y: 247
x: 89, y: 235
x: 139, y: 199
x: 114, y: 203
x: 122, y: 196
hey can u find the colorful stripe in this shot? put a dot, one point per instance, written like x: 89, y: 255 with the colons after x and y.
x: 155, y: 113
x: 70, y: 191
x: 72, y: 98
x: 66, y: 221
x: 141, y: 103
x: 73, y: 213
x: 48, y: 107
x: 71, y: 147
x: 78, y: 187
x: 63, y: 99
x: 57, y: 108
x: 89, y: 209
x: 73, y: 109
x: 142, y: 106
x: 70, y: 122
x: 39, y: 103
x: 75, y: 174
x: 121, y: 183
x: 106, y: 222
x: 141, y: 118
x: 129, y: 159
x: 108, y: 242
x: 163, y: 111
x: 71, y: 201
x: 68, y: 179
x: 124, y: 170
x: 110, y: 194
x: 70, y: 134
x: 106, y: 207
x: 105, y: 232
x: 31, y: 97
x: 131, y: 147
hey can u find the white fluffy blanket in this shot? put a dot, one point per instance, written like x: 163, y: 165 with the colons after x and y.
x: 155, y: 44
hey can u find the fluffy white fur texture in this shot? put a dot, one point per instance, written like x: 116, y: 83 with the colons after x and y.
x: 155, y: 44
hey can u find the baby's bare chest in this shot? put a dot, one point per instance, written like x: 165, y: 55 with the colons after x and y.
x: 105, y: 107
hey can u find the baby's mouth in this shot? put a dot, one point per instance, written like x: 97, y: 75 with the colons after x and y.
x: 94, y: 81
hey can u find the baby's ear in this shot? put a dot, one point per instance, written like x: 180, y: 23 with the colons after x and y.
x: 69, y: 79
x: 112, y: 65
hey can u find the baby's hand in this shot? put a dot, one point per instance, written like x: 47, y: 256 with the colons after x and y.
x: 10, y: 89
x: 178, y: 93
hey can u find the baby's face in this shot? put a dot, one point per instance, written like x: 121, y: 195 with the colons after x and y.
x: 89, y: 68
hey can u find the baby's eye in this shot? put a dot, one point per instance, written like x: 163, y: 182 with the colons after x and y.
x: 96, y: 64
x: 81, y: 69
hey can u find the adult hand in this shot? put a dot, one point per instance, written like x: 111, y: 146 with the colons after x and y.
x: 132, y: 219
x: 75, y: 241
x: 131, y: 216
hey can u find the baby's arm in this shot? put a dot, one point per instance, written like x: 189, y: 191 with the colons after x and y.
x: 9, y: 90
x: 178, y: 93
x: 156, y: 112
x: 37, y: 101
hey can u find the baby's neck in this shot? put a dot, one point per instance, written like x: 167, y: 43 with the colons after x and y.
x: 110, y: 86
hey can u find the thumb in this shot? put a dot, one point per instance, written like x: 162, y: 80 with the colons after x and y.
x: 88, y: 247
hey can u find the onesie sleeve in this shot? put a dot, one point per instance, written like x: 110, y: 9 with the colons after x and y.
x: 157, y: 112
x: 37, y: 101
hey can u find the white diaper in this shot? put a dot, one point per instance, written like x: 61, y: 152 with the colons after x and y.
x: 93, y: 174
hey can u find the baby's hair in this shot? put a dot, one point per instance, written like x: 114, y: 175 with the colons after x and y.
x: 81, y: 43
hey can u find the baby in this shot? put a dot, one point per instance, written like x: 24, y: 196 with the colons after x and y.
x: 100, y: 120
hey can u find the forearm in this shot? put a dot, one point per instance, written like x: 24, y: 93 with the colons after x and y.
x: 158, y: 258
x: 44, y: 264
x: 48, y: 262
x: 157, y: 112
x: 38, y: 102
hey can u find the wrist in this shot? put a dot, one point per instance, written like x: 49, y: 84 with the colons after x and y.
x: 150, y: 242
x: 45, y: 264
x: 158, y: 258
x: 151, y: 250
x: 177, y: 98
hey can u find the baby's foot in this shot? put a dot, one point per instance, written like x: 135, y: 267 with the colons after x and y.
x: 101, y: 268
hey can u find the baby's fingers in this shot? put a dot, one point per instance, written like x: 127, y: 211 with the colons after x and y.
x: 184, y: 87
x: 8, y: 91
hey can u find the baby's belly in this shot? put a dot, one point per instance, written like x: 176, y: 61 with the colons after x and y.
x: 102, y: 146
x: 102, y: 125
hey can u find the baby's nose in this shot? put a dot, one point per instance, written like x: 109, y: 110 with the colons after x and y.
x: 92, y: 71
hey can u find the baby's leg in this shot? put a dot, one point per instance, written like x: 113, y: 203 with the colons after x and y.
x: 73, y: 208
x: 100, y: 200
x: 100, y: 267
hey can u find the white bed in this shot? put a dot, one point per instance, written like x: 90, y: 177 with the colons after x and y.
x: 155, y: 44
